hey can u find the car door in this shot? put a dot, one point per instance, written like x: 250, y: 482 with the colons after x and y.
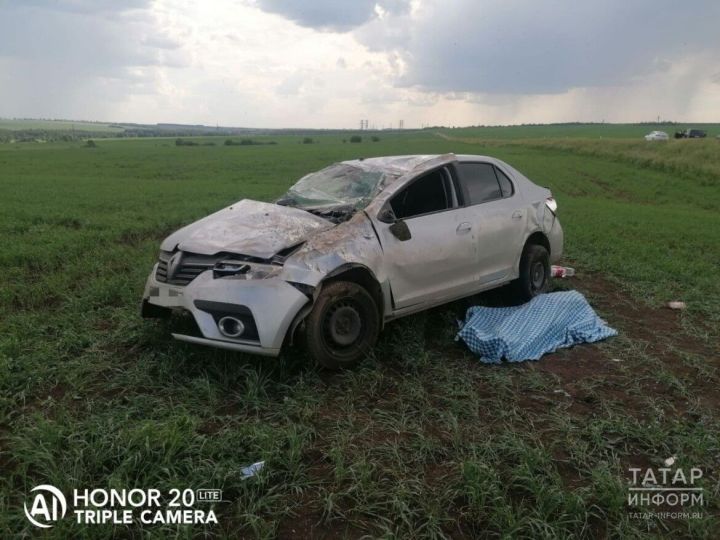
x: 498, y: 216
x: 438, y: 260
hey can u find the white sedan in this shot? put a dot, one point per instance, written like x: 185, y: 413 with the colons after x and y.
x: 353, y: 246
x: 657, y: 136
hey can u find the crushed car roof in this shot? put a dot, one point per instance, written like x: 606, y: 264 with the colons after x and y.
x: 393, y: 164
x: 400, y: 165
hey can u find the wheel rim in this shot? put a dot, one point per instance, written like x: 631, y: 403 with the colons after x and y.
x: 537, y: 276
x: 343, y: 324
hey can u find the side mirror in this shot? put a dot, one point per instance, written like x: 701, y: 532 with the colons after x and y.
x: 400, y: 230
x: 386, y: 215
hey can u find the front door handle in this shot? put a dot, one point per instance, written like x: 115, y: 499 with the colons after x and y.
x: 517, y: 214
x: 463, y: 228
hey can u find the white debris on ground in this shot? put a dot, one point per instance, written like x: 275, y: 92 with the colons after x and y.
x: 561, y: 271
x: 252, y: 470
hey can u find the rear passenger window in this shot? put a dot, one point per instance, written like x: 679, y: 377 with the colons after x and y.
x: 480, y: 182
x: 505, y: 184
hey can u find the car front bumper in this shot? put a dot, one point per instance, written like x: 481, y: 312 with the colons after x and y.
x: 272, y: 303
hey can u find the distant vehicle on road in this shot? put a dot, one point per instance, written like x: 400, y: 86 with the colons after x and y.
x: 690, y: 134
x: 657, y: 136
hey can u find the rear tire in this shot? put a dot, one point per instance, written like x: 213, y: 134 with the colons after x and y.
x: 534, y: 276
x: 343, y: 325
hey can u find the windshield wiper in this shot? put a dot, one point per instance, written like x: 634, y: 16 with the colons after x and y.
x: 286, y: 201
x: 336, y: 214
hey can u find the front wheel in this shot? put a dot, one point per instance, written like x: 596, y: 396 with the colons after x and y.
x: 534, y: 276
x: 343, y: 325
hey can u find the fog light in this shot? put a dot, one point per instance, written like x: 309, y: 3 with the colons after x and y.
x: 231, y: 327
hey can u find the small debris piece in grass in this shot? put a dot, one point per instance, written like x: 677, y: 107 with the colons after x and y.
x: 563, y: 392
x: 561, y: 271
x: 252, y: 470
x: 676, y: 304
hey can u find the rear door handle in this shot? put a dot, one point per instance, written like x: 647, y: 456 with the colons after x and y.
x: 517, y: 214
x: 463, y: 228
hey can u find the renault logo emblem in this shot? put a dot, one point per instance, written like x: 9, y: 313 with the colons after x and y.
x: 173, y: 265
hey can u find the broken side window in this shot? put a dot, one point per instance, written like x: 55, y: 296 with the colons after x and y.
x: 429, y: 193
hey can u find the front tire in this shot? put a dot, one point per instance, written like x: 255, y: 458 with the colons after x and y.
x: 534, y: 276
x: 343, y: 325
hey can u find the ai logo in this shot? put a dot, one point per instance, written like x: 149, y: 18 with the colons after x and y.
x: 48, y: 506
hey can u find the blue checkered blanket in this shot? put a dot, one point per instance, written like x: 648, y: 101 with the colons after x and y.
x: 547, y: 323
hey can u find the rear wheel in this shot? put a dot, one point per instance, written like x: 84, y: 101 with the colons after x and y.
x: 343, y: 325
x: 534, y: 276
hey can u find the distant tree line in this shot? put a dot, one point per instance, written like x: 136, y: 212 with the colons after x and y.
x: 358, y: 139
x: 120, y: 130
x: 189, y: 142
x: 48, y: 135
x: 228, y: 142
x: 246, y: 142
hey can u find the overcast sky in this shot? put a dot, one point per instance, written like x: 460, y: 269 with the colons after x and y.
x: 329, y: 63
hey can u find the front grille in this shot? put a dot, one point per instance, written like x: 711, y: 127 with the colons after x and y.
x: 185, y: 267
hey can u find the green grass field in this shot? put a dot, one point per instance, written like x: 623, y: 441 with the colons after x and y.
x: 695, y: 158
x: 421, y: 440
x: 578, y: 131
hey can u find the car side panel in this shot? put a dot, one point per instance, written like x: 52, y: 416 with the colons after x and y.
x: 501, y: 227
x: 439, y: 260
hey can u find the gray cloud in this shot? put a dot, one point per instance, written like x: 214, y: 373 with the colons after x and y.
x: 77, y: 57
x: 529, y: 47
x: 523, y: 46
x: 88, y: 6
x: 331, y: 14
x: 90, y: 42
x: 442, y: 60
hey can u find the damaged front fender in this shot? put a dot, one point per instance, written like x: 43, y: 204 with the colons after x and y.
x: 353, y: 242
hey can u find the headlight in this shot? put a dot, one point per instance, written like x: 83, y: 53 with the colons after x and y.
x: 230, y: 269
x: 551, y: 204
x: 233, y: 269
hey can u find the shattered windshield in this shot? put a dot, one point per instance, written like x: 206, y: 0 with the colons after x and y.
x: 340, y: 184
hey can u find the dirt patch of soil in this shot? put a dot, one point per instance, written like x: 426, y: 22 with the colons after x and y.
x: 658, y: 332
x: 658, y: 326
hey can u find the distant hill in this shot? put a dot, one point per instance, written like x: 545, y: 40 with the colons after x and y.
x: 41, y: 130
x: 20, y: 130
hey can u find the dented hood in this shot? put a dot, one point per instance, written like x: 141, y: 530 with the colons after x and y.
x: 247, y: 227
